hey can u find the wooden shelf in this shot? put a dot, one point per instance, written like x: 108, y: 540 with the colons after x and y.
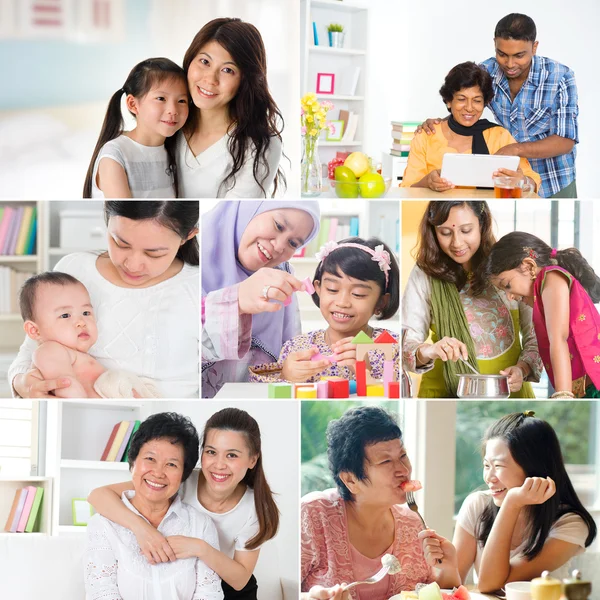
x: 104, y: 404
x: 78, y: 529
x: 10, y: 317
x: 342, y: 144
x: 18, y: 258
x: 346, y: 6
x: 97, y: 465
x: 336, y: 51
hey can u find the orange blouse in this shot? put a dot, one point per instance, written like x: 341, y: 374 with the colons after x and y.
x: 426, y: 152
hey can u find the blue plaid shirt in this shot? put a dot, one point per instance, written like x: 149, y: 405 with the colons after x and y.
x: 545, y: 105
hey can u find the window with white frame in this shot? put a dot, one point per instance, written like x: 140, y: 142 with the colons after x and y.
x: 18, y: 438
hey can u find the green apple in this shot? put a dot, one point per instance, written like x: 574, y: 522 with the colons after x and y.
x: 372, y: 185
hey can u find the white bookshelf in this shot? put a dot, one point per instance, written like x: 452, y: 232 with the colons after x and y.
x: 8, y: 487
x: 343, y: 62
x: 376, y: 218
x: 77, y: 433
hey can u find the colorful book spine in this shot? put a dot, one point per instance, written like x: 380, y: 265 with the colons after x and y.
x: 354, y: 227
x: 112, y: 455
x: 315, y: 34
x: 35, y: 511
x: 19, y: 511
x: 13, y: 510
x: 14, y: 232
x: 125, y: 441
x: 136, y: 426
x: 4, y: 226
x: 24, y: 230
x: 26, y: 509
x: 111, y: 439
x: 32, y: 234
x: 333, y: 226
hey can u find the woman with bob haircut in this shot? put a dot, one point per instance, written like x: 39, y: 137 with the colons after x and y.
x: 447, y: 296
x: 231, y: 488
x: 231, y: 143
x: 467, y: 90
x: 162, y: 455
x: 346, y: 531
x: 529, y: 519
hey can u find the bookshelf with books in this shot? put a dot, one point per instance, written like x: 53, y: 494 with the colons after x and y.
x: 347, y: 64
x: 78, y: 435
x: 341, y: 219
x: 20, y: 510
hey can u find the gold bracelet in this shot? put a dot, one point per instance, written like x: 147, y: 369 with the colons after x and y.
x: 417, y: 359
x: 563, y: 394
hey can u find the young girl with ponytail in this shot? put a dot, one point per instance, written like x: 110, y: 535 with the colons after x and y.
x: 231, y: 488
x: 562, y: 288
x: 141, y: 163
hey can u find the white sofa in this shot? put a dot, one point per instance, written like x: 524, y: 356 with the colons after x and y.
x: 36, y: 567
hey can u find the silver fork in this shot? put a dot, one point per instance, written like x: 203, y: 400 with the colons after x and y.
x: 412, y: 504
x: 373, y: 579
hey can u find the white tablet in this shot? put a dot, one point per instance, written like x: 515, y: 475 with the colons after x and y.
x: 475, y: 169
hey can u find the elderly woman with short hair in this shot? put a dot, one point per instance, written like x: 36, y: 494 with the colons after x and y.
x: 346, y: 531
x: 467, y: 90
x: 163, y: 454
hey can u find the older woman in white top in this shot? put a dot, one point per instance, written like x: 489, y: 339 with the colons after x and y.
x: 145, y: 294
x: 230, y: 146
x: 162, y: 455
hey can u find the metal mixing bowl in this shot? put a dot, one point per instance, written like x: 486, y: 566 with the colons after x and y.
x: 482, y: 387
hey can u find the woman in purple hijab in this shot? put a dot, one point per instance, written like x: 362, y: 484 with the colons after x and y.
x: 249, y: 308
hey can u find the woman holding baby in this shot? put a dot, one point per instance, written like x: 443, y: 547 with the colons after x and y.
x: 144, y: 294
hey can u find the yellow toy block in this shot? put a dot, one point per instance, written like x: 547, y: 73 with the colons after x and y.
x: 375, y: 390
x: 305, y: 391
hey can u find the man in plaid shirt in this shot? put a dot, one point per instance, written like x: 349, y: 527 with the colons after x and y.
x: 536, y: 100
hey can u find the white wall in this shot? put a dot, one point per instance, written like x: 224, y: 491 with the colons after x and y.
x: 280, y: 426
x: 412, y: 46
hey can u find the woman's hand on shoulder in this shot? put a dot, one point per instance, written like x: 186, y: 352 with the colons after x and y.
x: 318, y: 592
x: 438, y: 548
x: 436, y: 183
x: 535, y: 490
x: 185, y: 547
x: 299, y: 368
x: 153, y: 544
x: 345, y: 352
x: 33, y: 385
x: 279, y: 286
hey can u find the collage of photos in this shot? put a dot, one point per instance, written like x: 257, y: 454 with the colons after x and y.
x: 299, y: 300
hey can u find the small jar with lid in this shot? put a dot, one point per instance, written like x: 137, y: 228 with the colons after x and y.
x: 576, y: 588
x: 546, y: 587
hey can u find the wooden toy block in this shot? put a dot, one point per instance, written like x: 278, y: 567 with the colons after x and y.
x: 280, y: 390
x: 388, y: 373
x: 394, y: 389
x: 320, y: 356
x: 353, y: 386
x: 375, y: 390
x: 305, y: 390
x: 361, y: 378
x: 339, y: 388
x: 323, y: 389
x: 384, y: 338
x: 310, y: 288
x: 361, y: 338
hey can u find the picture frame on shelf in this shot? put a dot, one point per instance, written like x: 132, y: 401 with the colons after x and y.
x: 82, y: 511
x: 338, y: 132
x: 325, y: 83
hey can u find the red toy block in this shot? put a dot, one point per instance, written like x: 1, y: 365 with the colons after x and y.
x: 360, y: 369
x: 384, y: 338
x: 394, y: 389
x: 338, y: 388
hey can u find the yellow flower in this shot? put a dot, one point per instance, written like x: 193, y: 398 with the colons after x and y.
x: 320, y: 114
x: 309, y: 118
x: 313, y: 132
x: 581, y: 317
x: 597, y: 358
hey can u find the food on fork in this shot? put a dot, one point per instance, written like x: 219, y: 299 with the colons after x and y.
x: 389, y: 560
x: 412, y: 485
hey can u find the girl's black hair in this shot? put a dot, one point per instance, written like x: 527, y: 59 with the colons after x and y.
x: 139, y: 82
x: 180, y: 216
x: 512, y: 249
x: 255, y: 117
x: 535, y: 448
x: 357, y: 263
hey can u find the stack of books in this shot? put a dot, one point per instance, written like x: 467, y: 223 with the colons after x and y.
x: 117, y: 447
x: 25, y: 511
x: 402, y: 134
x: 18, y: 226
x: 11, y: 282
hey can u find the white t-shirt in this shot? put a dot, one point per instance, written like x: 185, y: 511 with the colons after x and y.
x: 145, y: 166
x: 234, y: 527
x: 201, y: 176
x: 569, y: 528
x: 152, y: 332
x: 116, y: 568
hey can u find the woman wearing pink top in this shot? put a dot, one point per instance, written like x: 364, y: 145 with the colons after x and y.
x: 346, y: 531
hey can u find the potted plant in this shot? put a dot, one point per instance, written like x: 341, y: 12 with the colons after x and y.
x: 336, y: 35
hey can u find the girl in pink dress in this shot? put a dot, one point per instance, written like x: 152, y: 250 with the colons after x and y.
x: 562, y: 288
